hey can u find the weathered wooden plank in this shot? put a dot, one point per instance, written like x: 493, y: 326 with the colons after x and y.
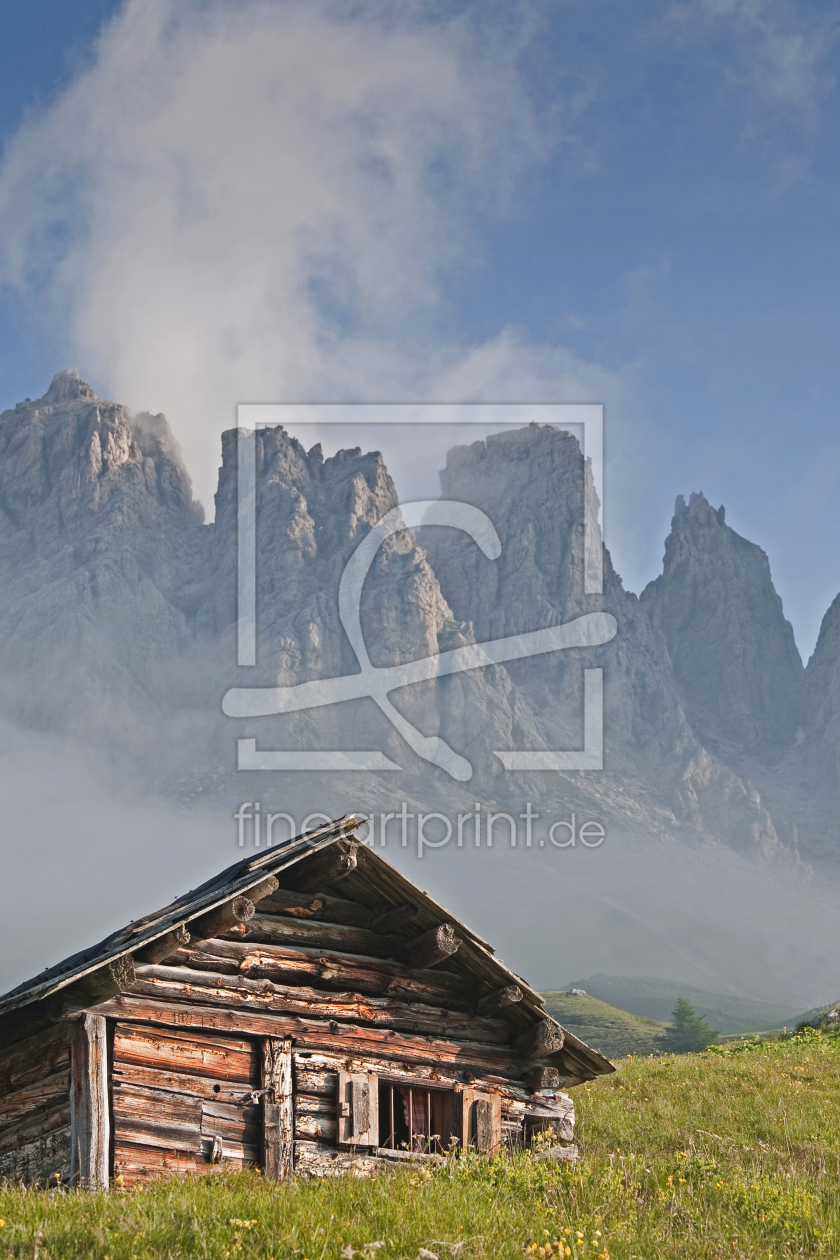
x: 90, y: 1124
x: 38, y: 1056
x: 317, y: 905
x: 480, y: 1123
x: 278, y: 1109
x: 315, y: 1104
x: 311, y: 1034
x: 232, y: 1127
x: 19, y: 1026
x: 316, y: 1083
x: 290, y: 965
x: 318, y: 1064
x: 234, y: 1154
x: 272, y: 929
x: 319, y: 1159
x: 396, y: 919
x: 315, y: 1127
x: 240, y: 1111
x: 324, y: 1067
x: 144, y: 1131
x: 218, y: 1057
x: 44, y: 1158
x: 433, y: 947
x: 559, y: 1120
x: 36, y: 1123
x: 181, y: 1082
x: 183, y: 1111
x: 48, y: 1092
x: 184, y: 984
x: 137, y: 1163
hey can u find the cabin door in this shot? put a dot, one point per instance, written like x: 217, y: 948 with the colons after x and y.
x: 184, y: 1101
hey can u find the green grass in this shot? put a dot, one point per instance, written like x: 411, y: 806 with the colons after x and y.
x: 654, y: 999
x: 732, y: 1153
x: 612, y: 1031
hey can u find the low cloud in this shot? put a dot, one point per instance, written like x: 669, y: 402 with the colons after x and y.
x: 268, y: 201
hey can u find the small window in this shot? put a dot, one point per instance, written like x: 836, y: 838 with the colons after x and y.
x: 416, y: 1118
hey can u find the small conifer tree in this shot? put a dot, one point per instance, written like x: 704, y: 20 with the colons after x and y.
x: 688, y: 1032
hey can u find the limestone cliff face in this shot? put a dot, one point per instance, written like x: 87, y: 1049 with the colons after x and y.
x: 98, y: 529
x: 732, y: 651
x: 118, y: 618
x: 530, y: 482
x: 311, y: 515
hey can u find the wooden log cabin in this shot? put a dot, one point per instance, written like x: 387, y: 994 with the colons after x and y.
x: 307, y: 1011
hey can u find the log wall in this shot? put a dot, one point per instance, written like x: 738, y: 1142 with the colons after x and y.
x: 35, y: 1108
x: 345, y: 983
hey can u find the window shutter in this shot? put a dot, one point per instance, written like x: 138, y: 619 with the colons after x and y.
x: 358, y: 1109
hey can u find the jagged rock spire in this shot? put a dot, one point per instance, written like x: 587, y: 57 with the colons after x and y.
x: 733, y: 653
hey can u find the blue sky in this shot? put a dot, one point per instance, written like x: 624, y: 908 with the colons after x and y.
x: 634, y: 204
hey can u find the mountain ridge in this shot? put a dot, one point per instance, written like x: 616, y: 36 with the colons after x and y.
x: 118, y: 625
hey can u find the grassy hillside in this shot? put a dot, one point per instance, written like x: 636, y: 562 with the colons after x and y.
x: 654, y: 999
x: 612, y: 1031
x: 731, y: 1154
x: 816, y: 1014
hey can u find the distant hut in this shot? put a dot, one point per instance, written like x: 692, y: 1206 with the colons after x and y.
x: 306, y: 1011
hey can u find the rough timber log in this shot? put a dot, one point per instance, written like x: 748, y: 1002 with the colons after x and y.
x: 537, y: 1078
x: 326, y: 867
x: 90, y: 1124
x: 318, y: 905
x: 272, y: 929
x: 164, y: 946
x: 278, y: 1109
x: 492, y: 1003
x: 48, y: 1091
x: 179, y: 984
x: 213, y: 1059
x: 312, y: 1034
x: 290, y: 965
x: 29, y: 1061
x: 266, y: 888
x: 394, y: 919
x: 122, y: 969
x: 432, y: 947
x: 545, y: 1038
x: 223, y: 918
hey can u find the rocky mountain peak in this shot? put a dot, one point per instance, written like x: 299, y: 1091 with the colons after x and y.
x: 733, y: 653
x: 67, y: 387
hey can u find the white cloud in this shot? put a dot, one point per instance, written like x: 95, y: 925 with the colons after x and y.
x: 264, y: 201
x: 776, y: 54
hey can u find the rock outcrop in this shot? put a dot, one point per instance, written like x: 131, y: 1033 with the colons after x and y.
x: 530, y: 482
x: 118, y: 619
x: 732, y: 651
x: 98, y: 532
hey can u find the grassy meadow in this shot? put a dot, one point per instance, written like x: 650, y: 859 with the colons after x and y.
x: 734, y: 1152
